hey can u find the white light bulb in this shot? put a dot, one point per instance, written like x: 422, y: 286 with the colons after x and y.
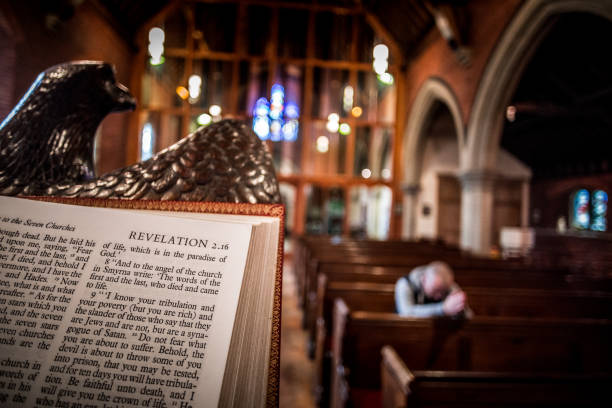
x: 380, y: 66
x: 194, y: 93
x: 156, y: 49
x: 204, y: 119
x: 348, y: 91
x: 332, y: 126
x: 381, y: 51
x: 156, y: 60
x: 156, y: 35
x: 386, y: 78
x: 214, y: 110
x: 333, y: 117
x: 195, y: 81
x: 322, y: 144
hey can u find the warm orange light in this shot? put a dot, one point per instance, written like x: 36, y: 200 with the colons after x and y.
x: 356, y: 111
x: 182, y: 92
x: 511, y: 113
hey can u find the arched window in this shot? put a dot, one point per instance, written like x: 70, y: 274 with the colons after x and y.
x: 599, y: 208
x: 589, y: 210
x: 315, y: 81
x: 580, y: 212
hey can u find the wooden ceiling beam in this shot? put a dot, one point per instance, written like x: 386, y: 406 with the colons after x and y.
x: 382, y: 31
x: 288, y: 5
x: 141, y: 33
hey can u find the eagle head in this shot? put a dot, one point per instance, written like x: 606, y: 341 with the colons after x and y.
x: 48, y: 137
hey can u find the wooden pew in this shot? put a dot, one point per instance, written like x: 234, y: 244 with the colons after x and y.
x: 469, y: 272
x: 311, y: 258
x: 585, y: 252
x: 402, y: 388
x: 313, y: 249
x: 379, y: 261
x: 398, y: 260
x: 497, y: 279
x: 481, y: 344
x: 484, y: 301
x: 511, y: 285
x: 377, y: 297
x: 325, y: 249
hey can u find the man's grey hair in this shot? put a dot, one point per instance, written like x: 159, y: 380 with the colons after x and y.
x: 442, y: 270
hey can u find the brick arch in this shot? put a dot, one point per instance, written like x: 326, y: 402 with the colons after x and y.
x: 500, y: 78
x: 433, y: 92
x: 504, y: 70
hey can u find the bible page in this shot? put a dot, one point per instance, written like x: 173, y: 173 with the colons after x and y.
x: 100, y: 307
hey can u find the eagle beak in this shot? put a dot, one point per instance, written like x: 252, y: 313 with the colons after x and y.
x: 122, y: 98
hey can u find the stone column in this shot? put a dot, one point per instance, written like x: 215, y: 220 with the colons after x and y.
x: 409, y: 204
x: 477, y: 211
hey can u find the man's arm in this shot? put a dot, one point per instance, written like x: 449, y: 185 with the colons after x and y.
x: 405, y: 305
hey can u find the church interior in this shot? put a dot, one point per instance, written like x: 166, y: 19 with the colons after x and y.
x: 401, y: 132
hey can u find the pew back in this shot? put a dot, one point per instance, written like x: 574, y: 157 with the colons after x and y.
x: 484, y: 301
x: 403, y: 388
x: 480, y: 344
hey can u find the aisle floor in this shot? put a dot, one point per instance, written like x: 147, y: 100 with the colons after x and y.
x: 296, y: 369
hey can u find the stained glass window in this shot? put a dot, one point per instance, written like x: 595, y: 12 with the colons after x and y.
x: 600, y: 208
x: 580, y: 216
x: 292, y: 70
x: 589, y: 211
x: 278, y: 119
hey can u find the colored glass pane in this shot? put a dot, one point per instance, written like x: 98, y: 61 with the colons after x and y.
x: 581, y: 213
x: 600, y: 208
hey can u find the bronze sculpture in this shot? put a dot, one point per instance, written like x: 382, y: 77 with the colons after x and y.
x: 46, y: 148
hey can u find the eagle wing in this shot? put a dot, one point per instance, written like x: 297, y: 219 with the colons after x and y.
x: 223, y: 162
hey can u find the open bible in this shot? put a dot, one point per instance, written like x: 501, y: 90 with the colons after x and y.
x: 141, y: 303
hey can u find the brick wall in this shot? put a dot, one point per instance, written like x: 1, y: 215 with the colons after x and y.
x: 486, y: 21
x: 7, y: 72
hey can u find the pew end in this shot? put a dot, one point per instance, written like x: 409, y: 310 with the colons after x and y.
x: 395, y: 379
x: 339, y: 384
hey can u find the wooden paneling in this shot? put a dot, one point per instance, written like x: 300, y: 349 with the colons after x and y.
x: 506, y: 206
x: 449, y: 209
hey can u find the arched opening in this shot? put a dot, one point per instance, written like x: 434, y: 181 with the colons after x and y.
x: 558, y: 123
x: 433, y: 139
x: 532, y: 24
x: 439, y: 199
